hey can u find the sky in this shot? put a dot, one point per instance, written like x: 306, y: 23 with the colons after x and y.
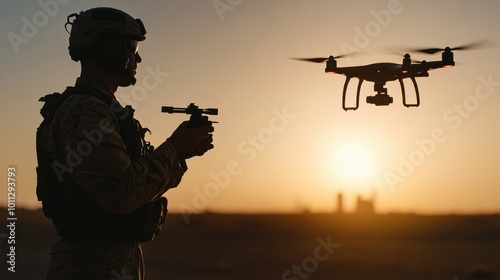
x: 283, y: 142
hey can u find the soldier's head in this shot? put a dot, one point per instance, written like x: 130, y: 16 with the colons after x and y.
x: 108, y: 38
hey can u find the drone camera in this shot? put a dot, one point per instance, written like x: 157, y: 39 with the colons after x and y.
x: 379, y: 99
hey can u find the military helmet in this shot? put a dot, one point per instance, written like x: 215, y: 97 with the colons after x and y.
x: 92, y: 24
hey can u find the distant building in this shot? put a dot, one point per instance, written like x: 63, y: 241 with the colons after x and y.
x: 365, y: 207
x: 340, y: 204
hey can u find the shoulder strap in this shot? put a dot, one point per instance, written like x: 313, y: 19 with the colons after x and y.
x: 55, y: 100
x: 84, y: 89
x: 130, y: 129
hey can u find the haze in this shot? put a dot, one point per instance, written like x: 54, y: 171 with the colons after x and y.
x: 282, y: 136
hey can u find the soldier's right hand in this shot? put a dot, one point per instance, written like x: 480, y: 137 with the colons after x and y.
x: 189, y: 142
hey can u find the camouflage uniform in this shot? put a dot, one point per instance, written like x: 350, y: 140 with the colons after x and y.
x: 107, y: 175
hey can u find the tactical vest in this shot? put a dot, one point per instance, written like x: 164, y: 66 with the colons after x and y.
x: 75, y: 215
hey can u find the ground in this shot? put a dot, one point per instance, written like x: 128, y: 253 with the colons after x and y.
x: 295, y: 246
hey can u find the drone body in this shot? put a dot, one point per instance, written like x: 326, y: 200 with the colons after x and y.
x: 381, y: 73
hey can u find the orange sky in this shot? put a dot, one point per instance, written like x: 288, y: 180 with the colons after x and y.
x: 282, y: 130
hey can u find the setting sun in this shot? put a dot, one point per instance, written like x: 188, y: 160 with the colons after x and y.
x: 353, y: 163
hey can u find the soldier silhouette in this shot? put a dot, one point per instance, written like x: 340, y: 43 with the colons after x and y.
x: 99, y: 181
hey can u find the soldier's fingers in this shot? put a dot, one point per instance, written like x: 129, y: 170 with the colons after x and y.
x: 203, y: 129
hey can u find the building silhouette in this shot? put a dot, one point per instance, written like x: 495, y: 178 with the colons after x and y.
x: 363, y: 206
x: 340, y: 204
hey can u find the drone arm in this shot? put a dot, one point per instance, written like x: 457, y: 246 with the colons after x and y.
x: 426, y: 66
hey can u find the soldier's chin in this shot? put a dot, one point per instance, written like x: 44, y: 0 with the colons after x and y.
x: 127, y: 79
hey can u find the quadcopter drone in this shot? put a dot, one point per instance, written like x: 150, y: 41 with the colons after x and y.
x: 383, y: 72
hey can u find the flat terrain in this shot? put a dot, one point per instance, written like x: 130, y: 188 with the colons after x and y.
x: 294, y: 246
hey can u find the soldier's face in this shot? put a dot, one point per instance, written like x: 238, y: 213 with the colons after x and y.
x: 133, y: 59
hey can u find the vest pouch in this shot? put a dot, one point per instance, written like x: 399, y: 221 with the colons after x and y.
x: 156, y: 212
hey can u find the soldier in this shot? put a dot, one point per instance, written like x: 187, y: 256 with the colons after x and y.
x: 99, y: 181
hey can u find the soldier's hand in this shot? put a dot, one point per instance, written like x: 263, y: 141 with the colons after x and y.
x: 189, y: 142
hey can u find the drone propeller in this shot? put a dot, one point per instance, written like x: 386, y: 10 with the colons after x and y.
x: 322, y: 59
x: 475, y: 45
x: 314, y: 59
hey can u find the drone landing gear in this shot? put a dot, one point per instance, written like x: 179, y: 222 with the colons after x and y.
x: 381, y: 98
x: 345, y: 92
x: 404, y: 93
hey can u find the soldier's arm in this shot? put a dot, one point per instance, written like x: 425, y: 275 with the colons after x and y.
x: 115, y: 182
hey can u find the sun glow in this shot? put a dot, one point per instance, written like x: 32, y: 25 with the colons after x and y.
x: 353, y: 163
